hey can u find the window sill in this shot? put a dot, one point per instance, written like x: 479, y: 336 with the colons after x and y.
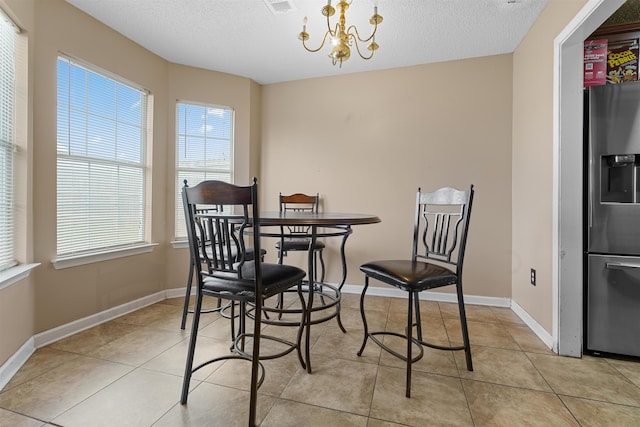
x: 180, y: 244
x: 76, y: 260
x: 14, y: 274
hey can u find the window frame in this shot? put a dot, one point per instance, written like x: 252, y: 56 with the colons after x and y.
x: 8, y: 144
x: 21, y: 269
x: 206, y: 171
x: 140, y: 162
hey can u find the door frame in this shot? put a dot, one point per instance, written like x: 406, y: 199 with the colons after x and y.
x: 567, y: 169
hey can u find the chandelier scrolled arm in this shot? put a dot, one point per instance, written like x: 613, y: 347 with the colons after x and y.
x: 360, y: 53
x: 304, y: 36
x: 343, y: 37
x: 353, y: 30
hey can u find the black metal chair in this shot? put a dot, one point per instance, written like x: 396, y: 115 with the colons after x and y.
x: 247, y: 283
x: 439, y: 243
x: 298, y: 238
x: 203, y: 260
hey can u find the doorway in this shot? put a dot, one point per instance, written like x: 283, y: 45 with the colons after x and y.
x: 567, y: 141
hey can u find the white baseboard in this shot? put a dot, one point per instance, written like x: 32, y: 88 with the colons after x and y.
x: 179, y: 292
x: 428, y: 296
x: 546, y: 338
x: 52, y: 335
x: 15, y: 362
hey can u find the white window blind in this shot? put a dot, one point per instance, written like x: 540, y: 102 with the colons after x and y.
x: 204, y: 149
x: 8, y: 33
x: 102, y: 137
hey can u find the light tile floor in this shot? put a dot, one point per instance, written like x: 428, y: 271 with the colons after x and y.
x: 128, y: 372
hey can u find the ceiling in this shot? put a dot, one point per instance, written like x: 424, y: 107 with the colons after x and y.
x: 245, y: 38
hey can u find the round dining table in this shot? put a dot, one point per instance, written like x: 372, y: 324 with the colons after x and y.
x: 321, y: 225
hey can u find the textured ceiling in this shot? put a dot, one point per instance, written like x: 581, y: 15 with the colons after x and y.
x: 243, y: 37
x: 628, y: 12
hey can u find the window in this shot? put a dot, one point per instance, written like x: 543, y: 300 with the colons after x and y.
x: 101, y: 160
x: 204, y: 149
x: 8, y: 33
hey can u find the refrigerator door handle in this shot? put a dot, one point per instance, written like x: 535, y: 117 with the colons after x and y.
x: 591, y: 184
x: 591, y: 207
x: 620, y: 265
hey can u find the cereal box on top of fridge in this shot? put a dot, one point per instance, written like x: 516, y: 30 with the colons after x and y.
x: 622, y: 61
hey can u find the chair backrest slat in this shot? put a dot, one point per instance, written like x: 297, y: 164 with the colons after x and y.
x: 218, y: 216
x: 441, y: 224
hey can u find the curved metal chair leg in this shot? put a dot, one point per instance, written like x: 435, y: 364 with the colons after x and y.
x: 280, y: 302
x: 364, y: 318
x: 340, y: 325
x: 343, y: 259
x: 322, y: 274
x: 463, y: 325
x: 302, y: 327
x: 307, y: 315
x: 318, y: 285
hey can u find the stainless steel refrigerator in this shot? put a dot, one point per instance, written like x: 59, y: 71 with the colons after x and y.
x: 612, y: 219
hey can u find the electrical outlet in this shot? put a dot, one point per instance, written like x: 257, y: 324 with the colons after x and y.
x: 533, y: 277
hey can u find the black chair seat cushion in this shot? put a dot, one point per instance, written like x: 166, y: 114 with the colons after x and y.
x: 276, y: 278
x: 410, y: 275
x: 299, y: 244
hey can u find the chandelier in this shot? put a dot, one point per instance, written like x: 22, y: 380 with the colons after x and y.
x: 342, y: 37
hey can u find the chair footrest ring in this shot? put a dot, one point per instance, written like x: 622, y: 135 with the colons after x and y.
x: 438, y: 347
x: 393, y: 352
x: 222, y: 309
x: 290, y: 346
x: 238, y: 356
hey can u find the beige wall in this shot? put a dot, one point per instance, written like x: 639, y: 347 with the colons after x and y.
x: 367, y: 141
x: 533, y: 161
